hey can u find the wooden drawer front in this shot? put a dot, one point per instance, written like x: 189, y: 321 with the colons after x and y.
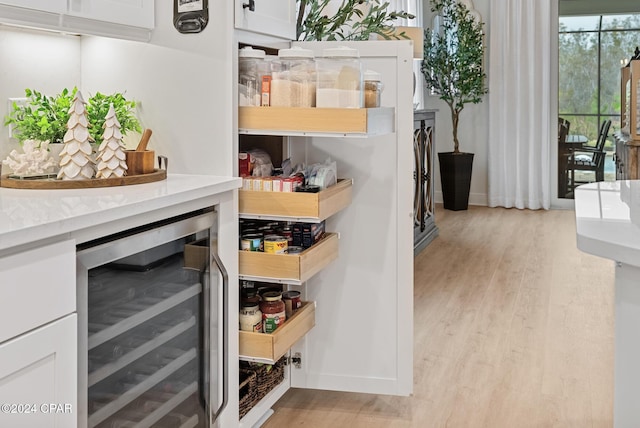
x: 318, y: 206
x: 270, y: 347
x: 292, y: 267
x: 301, y: 120
x: 37, y: 287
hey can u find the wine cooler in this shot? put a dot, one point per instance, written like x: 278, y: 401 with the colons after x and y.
x: 151, y: 322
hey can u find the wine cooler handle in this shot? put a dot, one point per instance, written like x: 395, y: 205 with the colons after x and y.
x: 225, y: 336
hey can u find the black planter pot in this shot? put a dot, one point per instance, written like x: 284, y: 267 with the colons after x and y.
x: 455, y: 177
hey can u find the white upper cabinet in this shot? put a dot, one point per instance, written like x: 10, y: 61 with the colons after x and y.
x: 270, y: 17
x: 136, y: 13
x: 56, y: 6
x: 122, y: 19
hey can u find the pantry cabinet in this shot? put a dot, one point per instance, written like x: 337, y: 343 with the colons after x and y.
x: 360, y: 336
x: 275, y: 18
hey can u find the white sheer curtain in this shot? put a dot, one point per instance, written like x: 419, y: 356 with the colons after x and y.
x: 520, y: 129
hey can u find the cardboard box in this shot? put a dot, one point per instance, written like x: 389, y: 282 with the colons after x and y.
x: 196, y: 254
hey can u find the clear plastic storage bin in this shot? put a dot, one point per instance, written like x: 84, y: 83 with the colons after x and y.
x: 293, y: 78
x: 339, y: 78
x: 251, y: 67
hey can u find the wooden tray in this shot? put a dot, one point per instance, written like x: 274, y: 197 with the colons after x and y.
x: 270, y: 347
x: 51, y: 183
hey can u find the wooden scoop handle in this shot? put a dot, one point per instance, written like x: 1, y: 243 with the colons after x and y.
x: 142, y: 145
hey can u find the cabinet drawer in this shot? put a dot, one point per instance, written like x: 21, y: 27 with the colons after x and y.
x: 37, y: 286
x: 270, y: 347
x: 289, y: 268
x: 343, y: 122
x: 299, y: 205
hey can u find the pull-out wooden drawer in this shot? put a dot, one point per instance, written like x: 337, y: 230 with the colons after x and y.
x: 307, y: 207
x: 268, y: 348
x: 289, y: 268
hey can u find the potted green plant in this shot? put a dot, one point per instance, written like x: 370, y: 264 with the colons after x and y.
x: 453, y: 70
x: 45, y: 117
x: 354, y: 20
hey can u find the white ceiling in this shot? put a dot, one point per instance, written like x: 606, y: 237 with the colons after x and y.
x: 597, y: 7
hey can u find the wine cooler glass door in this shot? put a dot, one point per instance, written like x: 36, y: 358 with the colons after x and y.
x: 151, y: 309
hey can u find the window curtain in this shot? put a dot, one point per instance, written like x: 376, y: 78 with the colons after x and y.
x: 520, y: 128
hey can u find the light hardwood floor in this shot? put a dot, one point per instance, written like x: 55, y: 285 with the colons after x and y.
x: 513, y: 328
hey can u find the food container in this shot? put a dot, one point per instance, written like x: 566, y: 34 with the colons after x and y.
x: 275, y: 244
x: 293, y: 78
x: 339, y: 78
x: 250, y: 317
x: 273, y: 311
x: 372, y: 89
x: 251, y: 68
x: 251, y: 242
x: 292, y: 302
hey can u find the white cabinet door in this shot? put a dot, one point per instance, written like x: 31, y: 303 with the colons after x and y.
x: 37, y: 286
x: 136, y: 13
x: 57, y: 6
x: 272, y: 17
x: 38, y: 377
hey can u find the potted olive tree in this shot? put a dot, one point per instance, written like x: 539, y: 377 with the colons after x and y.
x: 453, y: 70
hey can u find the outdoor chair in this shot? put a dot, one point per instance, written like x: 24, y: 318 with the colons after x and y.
x: 589, y: 158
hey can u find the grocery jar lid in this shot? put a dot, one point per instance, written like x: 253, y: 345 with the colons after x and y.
x: 249, y: 52
x: 271, y: 296
x: 340, y: 52
x: 295, y: 52
x: 372, y: 75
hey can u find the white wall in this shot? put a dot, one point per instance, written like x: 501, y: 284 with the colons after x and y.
x: 473, y: 129
x: 47, y: 62
x: 183, y: 82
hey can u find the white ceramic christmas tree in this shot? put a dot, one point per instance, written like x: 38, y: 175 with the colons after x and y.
x: 75, y: 157
x: 111, y: 157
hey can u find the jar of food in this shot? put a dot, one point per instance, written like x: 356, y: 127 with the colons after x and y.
x: 339, y: 78
x: 250, y: 317
x: 273, y: 311
x: 292, y: 302
x: 251, y: 67
x: 372, y: 89
x: 293, y: 78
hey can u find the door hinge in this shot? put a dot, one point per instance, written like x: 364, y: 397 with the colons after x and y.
x: 296, y: 360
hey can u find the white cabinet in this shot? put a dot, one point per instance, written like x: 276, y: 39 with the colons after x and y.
x: 136, y: 13
x: 37, y: 286
x: 122, y: 19
x: 270, y: 17
x: 38, y: 377
x: 362, y: 340
x: 56, y: 6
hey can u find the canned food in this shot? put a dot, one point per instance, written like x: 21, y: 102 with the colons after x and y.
x: 257, y: 184
x: 292, y: 302
x: 288, y: 185
x: 251, y: 242
x: 276, y: 185
x: 294, y: 250
x: 275, y: 244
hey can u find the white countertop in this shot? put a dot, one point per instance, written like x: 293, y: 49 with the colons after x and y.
x: 31, y: 215
x: 608, y: 220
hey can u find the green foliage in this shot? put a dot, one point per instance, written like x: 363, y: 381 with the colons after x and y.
x: 98, y: 107
x: 45, y: 117
x: 453, y: 59
x: 354, y: 20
